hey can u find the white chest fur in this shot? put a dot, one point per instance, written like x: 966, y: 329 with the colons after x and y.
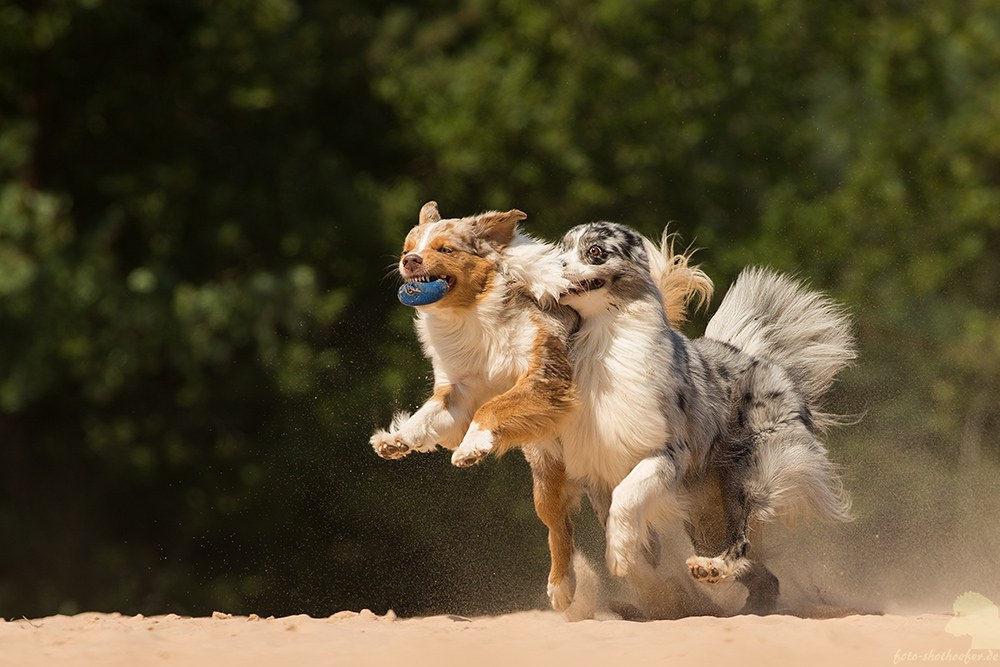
x: 621, y: 420
x: 484, y: 348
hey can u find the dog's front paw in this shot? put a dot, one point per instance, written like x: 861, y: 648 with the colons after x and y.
x: 709, y: 570
x: 389, y: 446
x: 561, y: 594
x: 623, y: 547
x: 620, y: 559
x: 478, y: 442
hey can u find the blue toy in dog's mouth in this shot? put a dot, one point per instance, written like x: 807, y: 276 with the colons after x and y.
x: 423, y: 292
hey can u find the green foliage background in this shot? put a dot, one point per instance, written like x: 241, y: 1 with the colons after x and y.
x: 201, y: 202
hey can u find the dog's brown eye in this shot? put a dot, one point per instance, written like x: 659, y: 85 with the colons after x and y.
x: 594, y: 250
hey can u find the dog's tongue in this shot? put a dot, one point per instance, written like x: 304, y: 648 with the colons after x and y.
x: 417, y: 293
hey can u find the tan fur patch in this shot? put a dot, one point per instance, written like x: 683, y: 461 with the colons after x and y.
x: 534, y: 408
x: 681, y: 282
x: 443, y: 394
x: 473, y: 276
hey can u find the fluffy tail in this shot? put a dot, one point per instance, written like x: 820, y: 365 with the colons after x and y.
x: 794, y: 478
x: 679, y: 281
x: 776, y: 318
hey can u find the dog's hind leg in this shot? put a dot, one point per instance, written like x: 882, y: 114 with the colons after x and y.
x: 732, y: 561
x: 776, y: 469
x: 751, y: 476
x: 738, y: 562
x: 555, y: 496
x: 647, y: 495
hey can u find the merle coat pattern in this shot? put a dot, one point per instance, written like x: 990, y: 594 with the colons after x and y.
x: 717, y: 433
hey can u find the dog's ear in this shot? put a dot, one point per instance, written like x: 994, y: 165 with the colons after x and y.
x: 499, y: 227
x: 429, y: 213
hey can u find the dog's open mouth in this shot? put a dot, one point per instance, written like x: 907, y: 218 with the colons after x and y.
x: 429, y: 279
x: 586, y: 286
x: 425, y: 290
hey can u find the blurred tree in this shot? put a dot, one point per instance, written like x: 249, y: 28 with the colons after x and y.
x: 183, y: 231
x: 639, y: 111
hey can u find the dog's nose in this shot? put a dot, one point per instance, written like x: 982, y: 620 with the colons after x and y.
x: 412, y: 261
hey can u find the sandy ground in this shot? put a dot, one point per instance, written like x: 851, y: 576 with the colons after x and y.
x: 520, y: 639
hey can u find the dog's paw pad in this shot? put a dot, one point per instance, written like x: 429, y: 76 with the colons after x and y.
x: 464, y: 459
x: 394, y: 451
x: 388, y: 447
x: 709, y: 570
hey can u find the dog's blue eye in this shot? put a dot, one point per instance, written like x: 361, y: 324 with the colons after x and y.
x: 445, y: 249
x: 595, y: 251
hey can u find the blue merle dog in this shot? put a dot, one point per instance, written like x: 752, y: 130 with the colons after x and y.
x: 717, y: 434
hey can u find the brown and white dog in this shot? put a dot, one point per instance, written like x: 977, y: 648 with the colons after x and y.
x: 498, y: 341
